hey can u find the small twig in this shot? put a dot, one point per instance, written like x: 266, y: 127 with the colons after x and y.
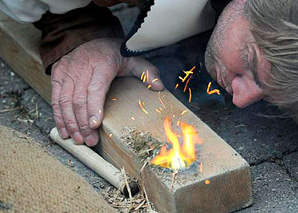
x: 125, y: 206
x: 36, y: 111
x: 144, y: 201
x: 69, y: 162
x: 25, y: 121
x: 49, y: 118
x: 173, y: 179
x: 240, y: 125
x: 143, y: 168
x: 127, y: 185
x: 143, y: 186
x: 10, y: 110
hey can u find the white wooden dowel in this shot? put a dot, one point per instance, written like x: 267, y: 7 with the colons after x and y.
x: 91, y: 159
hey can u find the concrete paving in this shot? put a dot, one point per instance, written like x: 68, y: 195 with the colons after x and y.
x: 259, y: 133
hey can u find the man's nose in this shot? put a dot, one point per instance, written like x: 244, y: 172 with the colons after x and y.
x: 245, y: 92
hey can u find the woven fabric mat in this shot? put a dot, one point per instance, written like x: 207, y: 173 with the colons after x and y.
x: 31, y: 180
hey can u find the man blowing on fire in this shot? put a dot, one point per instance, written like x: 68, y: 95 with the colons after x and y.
x: 252, y: 53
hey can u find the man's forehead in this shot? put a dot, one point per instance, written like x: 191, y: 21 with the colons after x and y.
x: 231, y: 28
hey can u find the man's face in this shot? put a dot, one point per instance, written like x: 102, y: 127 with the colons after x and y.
x: 233, y: 58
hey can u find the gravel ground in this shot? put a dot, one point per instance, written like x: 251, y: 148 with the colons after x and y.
x: 266, y: 140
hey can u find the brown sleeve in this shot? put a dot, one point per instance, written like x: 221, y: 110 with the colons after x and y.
x: 109, y: 3
x: 61, y: 33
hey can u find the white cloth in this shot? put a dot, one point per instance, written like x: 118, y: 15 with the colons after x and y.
x: 32, y: 10
x: 170, y: 21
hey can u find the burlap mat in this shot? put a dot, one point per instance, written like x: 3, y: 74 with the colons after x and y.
x: 33, y: 181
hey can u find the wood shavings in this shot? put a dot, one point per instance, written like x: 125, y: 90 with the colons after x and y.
x: 126, y: 183
x: 143, y: 144
x: 10, y: 109
x: 117, y: 200
x: 175, y: 173
x: 70, y: 163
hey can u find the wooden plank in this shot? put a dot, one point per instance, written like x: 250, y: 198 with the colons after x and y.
x: 19, y: 48
x: 228, y: 173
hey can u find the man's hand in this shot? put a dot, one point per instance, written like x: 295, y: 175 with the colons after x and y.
x: 81, y: 80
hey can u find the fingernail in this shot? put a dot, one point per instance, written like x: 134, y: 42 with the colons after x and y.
x: 93, y: 122
x: 63, y: 133
x: 78, y: 138
x: 90, y: 140
x: 156, y: 86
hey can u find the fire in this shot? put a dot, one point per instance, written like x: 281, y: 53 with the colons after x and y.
x: 178, y: 156
x: 212, y: 91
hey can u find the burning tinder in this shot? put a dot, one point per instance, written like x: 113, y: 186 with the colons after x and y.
x: 176, y: 155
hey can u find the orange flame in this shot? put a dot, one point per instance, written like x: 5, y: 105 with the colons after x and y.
x: 179, y: 156
x: 212, y: 91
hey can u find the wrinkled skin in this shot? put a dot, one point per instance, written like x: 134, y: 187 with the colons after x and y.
x: 233, y: 58
x: 81, y: 80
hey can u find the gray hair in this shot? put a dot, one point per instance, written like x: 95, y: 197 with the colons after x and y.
x: 274, y: 25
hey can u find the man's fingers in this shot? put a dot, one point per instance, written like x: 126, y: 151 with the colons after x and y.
x: 146, y: 72
x: 65, y: 102
x: 97, y: 90
x: 80, y: 109
x: 56, y: 81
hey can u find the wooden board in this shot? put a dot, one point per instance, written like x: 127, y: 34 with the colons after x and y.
x: 19, y: 48
x: 228, y: 173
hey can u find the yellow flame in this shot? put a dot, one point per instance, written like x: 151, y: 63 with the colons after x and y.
x: 185, y: 111
x: 155, y: 79
x: 178, y: 156
x: 144, y: 79
x: 161, y: 101
x: 187, y: 83
x: 189, y: 99
x: 207, y: 182
x: 187, y: 73
x: 142, y: 107
x: 142, y: 76
x: 212, y: 91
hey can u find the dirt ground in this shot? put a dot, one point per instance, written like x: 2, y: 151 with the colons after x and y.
x: 259, y: 133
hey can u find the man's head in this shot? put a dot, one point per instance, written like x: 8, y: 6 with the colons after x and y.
x: 253, y: 52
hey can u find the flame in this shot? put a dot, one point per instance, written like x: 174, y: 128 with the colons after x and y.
x: 212, y: 91
x: 189, y: 99
x: 142, y: 107
x: 179, y: 156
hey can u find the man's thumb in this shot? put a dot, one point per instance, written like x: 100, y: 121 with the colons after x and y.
x: 146, y: 72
